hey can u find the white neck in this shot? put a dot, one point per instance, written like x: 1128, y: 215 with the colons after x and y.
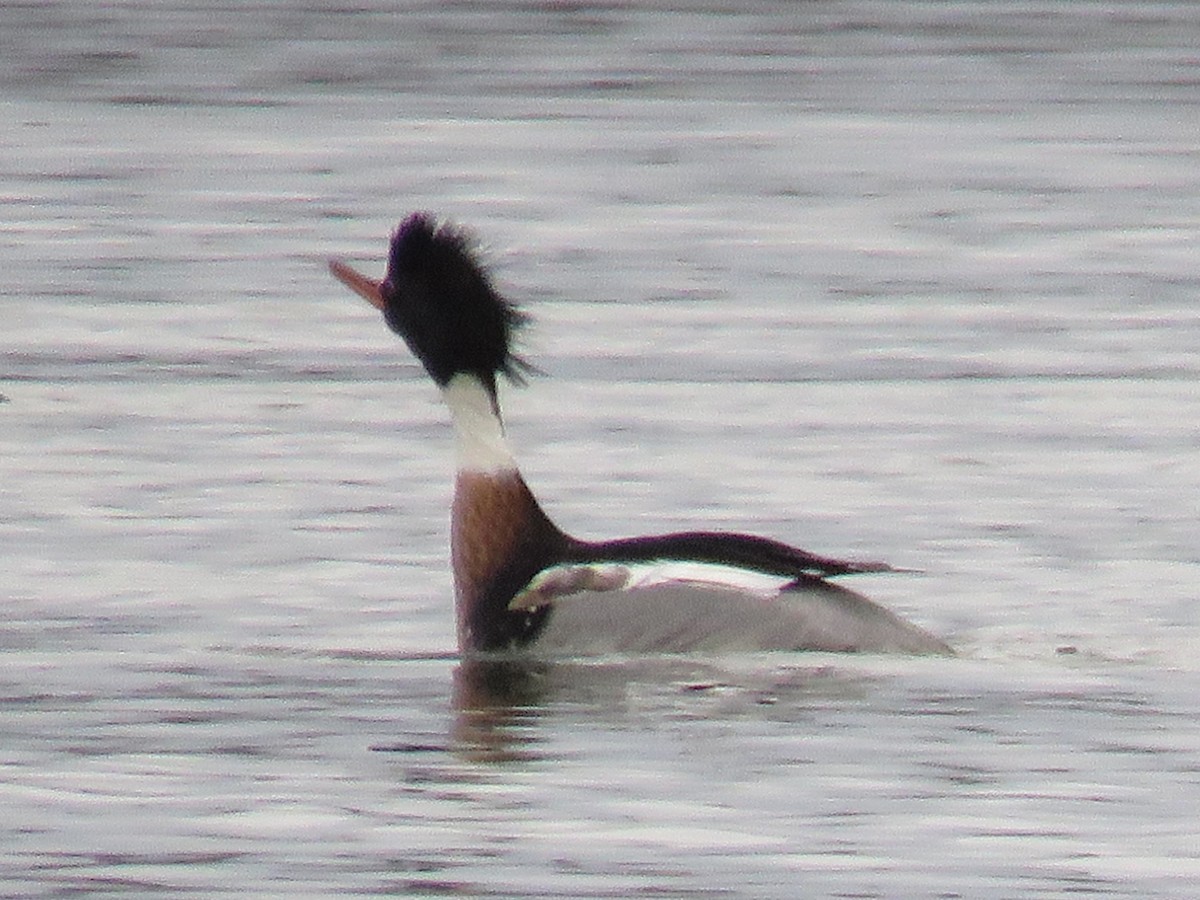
x: 480, y: 444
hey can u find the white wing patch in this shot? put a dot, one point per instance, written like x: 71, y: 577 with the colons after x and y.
x: 559, y: 583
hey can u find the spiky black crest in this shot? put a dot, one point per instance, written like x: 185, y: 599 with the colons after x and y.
x: 439, y: 298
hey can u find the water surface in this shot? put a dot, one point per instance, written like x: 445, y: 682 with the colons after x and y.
x: 912, y: 282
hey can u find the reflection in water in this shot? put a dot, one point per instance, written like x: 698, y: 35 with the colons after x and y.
x: 494, y: 703
x: 503, y: 708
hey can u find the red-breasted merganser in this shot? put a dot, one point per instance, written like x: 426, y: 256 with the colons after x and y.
x: 521, y: 583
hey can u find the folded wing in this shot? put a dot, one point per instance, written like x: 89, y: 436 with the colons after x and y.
x: 613, y: 608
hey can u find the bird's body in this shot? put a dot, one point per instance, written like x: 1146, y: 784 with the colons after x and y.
x: 523, y: 584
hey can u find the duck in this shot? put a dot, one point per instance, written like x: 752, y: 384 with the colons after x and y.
x: 523, y: 585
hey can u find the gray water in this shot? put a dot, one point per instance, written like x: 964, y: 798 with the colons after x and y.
x: 913, y: 282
